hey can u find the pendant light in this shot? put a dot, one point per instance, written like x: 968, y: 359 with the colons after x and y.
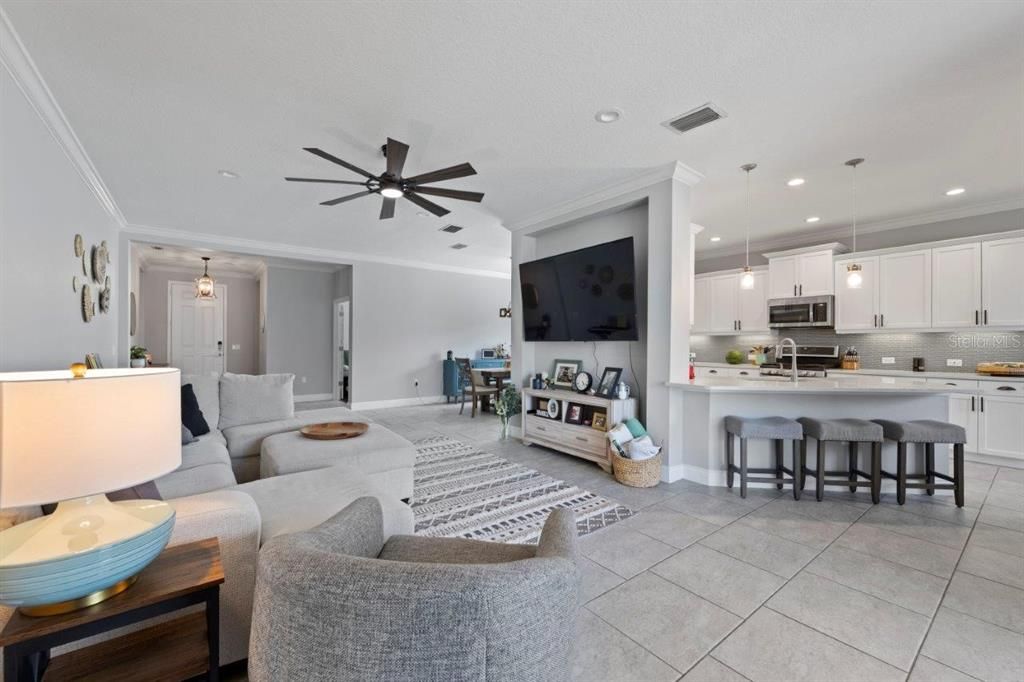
x: 747, y: 278
x: 204, y: 284
x: 854, y: 276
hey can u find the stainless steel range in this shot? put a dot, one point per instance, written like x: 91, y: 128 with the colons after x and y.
x: 811, y: 361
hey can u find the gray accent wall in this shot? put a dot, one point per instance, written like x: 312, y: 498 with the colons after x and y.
x: 404, y: 319
x: 299, y: 326
x: 242, y: 315
x: 43, y: 203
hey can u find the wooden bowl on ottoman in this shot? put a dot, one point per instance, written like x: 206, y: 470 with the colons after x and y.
x: 334, y: 430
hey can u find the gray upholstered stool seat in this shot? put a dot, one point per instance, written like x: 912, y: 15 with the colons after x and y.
x: 927, y: 432
x: 764, y: 427
x: 854, y: 432
x: 776, y: 429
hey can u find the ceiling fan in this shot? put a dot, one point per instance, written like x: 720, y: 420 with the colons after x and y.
x: 392, y: 186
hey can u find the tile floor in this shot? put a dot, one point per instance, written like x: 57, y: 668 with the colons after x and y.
x: 704, y: 585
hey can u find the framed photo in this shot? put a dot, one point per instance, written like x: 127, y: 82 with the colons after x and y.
x: 600, y: 421
x: 608, y: 380
x: 574, y: 415
x: 565, y: 372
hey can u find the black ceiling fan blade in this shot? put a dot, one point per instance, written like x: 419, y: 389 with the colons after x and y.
x: 428, y: 205
x: 387, y: 209
x: 450, y: 173
x: 396, y: 153
x: 335, y: 202
x: 334, y: 159
x: 451, y: 193
x: 335, y: 182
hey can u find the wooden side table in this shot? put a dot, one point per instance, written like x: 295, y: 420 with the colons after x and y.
x: 182, y: 576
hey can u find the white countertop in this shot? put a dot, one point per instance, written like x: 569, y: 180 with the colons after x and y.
x: 810, y: 386
x: 965, y: 376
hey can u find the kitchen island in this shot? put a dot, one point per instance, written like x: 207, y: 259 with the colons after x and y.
x: 708, y: 400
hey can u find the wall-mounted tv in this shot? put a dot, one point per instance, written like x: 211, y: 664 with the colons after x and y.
x: 584, y: 295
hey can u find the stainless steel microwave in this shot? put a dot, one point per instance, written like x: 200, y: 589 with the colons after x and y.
x: 805, y: 311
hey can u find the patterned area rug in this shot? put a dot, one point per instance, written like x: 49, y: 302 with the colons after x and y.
x: 461, y: 492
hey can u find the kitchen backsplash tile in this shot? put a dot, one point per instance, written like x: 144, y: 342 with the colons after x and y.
x: 935, y: 347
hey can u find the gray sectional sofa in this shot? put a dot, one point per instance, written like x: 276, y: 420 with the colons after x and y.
x: 216, y: 492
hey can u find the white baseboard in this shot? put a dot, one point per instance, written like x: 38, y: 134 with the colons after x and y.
x: 313, y: 397
x: 672, y: 473
x: 398, y: 402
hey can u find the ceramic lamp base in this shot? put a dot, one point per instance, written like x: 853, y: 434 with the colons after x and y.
x: 88, y: 550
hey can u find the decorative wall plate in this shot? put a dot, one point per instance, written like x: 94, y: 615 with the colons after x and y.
x: 74, y: 283
x: 105, y: 300
x: 85, y: 265
x: 79, y: 246
x: 99, y: 263
x: 88, y: 310
x: 106, y: 250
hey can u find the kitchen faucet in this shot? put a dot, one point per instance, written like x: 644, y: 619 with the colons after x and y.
x: 778, y: 354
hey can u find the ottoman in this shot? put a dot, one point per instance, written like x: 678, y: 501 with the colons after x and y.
x: 380, y: 455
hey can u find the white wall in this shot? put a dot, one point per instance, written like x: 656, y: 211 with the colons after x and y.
x: 404, y: 319
x: 631, y: 222
x: 242, y: 295
x: 299, y: 327
x: 43, y: 203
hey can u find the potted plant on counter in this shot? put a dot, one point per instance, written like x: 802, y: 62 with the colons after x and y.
x: 138, y: 356
x: 508, y: 405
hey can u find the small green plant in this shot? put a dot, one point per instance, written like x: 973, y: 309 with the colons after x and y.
x: 508, y: 404
x: 138, y: 352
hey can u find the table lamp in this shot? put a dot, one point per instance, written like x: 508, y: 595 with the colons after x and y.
x: 71, y: 439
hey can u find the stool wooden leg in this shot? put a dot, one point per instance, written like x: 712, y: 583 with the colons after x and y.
x: 958, y: 474
x: 728, y: 459
x: 876, y: 472
x: 798, y: 466
x: 819, y: 491
x: 852, y: 469
x: 743, y: 467
x: 901, y: 472
x: 803, y: 463
x: 929, y: 467
x: 779, y: 444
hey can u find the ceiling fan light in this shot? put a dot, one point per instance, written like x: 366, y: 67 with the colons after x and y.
x: 854, y: 278
x: 747, y: 278
x: 391, y: 192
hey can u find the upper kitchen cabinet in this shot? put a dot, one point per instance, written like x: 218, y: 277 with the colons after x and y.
x: 1002, y: 304
x: 802, y: 272
x: 722, y: 307
x: 956, y: 285
x: 905, y: 290
x: 857, y: 309
x: 752, y: 305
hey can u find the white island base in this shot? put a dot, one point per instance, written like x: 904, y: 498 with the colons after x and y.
x: 706, y: 403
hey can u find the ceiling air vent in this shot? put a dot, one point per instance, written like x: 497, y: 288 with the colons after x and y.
x: 705, y: 113
x: 451, y: 229
x: 460, y: 245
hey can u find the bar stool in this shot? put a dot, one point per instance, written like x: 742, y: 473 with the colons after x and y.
x: 854, y: 432
x: 926, y: 432
x: 777, y: 429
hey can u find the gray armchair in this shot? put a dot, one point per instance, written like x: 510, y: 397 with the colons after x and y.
x: 338, y: 603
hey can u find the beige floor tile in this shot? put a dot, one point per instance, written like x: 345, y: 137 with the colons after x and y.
x: 927, y: 670
x: 895, y: 583
x: 886, y: 631
x: 770, y: 647
x: 677, y: 626
x: 713, y: 509
x: 1007, y: 487
x: 712, y: 670
x: 634, y: 498
x: 920, y: 554
x: 916, y: 526
x: 604, y: 653
x: 942, y: 508
x: 671, y: 527
x: 826, y: 510
x: 1010, y: 474
x: 624, y: 551
x: 1000, y: 539
x: 974, y: 647
x: 769, y: 552
x: 719, y: 578
x: 1002, y: 517
x: 980, y: 472
x: 987, y: 563
x: 986, y: 600
x: 1013, y: 501
x: 596, y: 580
x: 795, y: 526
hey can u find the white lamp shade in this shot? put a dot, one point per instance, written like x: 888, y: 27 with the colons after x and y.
x: 63, y: 438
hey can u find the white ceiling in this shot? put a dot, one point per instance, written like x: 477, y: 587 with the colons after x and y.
x: 166, y: 256
x: 163, y: 94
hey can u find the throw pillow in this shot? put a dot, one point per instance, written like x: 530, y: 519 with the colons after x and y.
x: 252, y: 399
x: 191, y: 416
x: 635, y: 427
x: 186, y: 436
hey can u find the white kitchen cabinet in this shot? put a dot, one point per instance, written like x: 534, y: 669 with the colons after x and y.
x: 956, y: 285
x: 857, y: 309
x: 963, y: 411
x: 905, y: 290
x: 782, y: 277
x: 701, y: 311
x: 1001, y: 426
x: 752, y: 305
x: 722, y: 301
x: 804, y: 274
x: 1002, y: 304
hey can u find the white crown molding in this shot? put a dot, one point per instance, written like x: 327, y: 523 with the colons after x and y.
x: 796, y: 239
x: 23, y: 70
x: 836, y: 247
x: 256, y: 247
x: 184, y: 269
x: 677, y: 171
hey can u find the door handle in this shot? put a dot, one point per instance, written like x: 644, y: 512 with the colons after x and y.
x: 801, y: 289
x: 986, y: 317
x: 874, y: 320
x: 712, y: 371
x: 1006, y: 388
x: 739, y: 325
x: 982, y: 403
x: 881, y: 320
x: 581, y: 438
x: 976, y: 320
x: 220, y: 348
x: 794, y: 290
x: 972, y: 403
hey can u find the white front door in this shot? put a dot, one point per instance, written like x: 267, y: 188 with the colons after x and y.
x: 195, y: 330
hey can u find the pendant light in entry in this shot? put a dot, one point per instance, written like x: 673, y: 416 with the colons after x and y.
x: 204, y: 284
x: 854, y: 276
x: 747, y: 278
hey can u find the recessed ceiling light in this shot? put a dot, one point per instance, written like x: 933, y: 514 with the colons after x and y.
x: 795, y: 182
x: 227, y: 174
x: 608, y: 115
x: 813, y: 219
x: 458, y: 246
x: 953, y: 192
x: 716, y: 239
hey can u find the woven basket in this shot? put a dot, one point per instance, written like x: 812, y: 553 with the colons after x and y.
x: 642, y: 473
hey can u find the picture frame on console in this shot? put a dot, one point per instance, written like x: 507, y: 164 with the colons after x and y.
x: 564, y: 373
x: 574, y: 414
x: 609, y: 378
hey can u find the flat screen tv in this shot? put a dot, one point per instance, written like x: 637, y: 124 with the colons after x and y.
x: 584, y: 295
